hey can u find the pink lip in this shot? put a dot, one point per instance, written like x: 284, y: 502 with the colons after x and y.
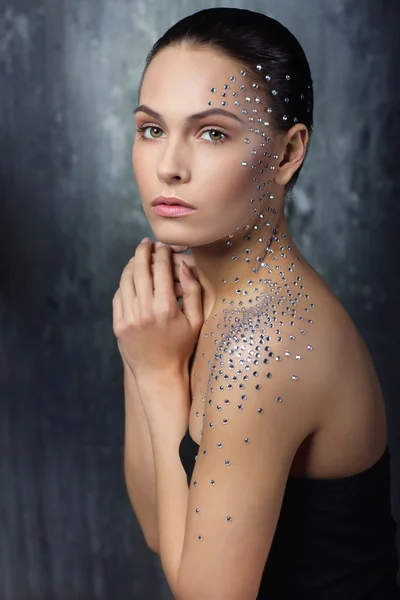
x: 170, y: 201
x: 165, y: 210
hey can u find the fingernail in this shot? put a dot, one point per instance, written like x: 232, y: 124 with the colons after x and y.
x: 185, y: 268
x: 145, y: 240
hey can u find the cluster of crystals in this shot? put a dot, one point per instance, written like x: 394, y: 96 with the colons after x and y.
x: 246, y: 358
x: 256, y: 86
x: 271, y: 312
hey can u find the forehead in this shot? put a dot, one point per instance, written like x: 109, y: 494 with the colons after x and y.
x: 186, y: 74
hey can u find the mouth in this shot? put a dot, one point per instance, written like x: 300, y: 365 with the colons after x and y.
x: 171, y: 201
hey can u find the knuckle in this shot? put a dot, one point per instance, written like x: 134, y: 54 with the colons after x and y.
x: 118, y: 328
x: 145, y: 318
x: 131, y: 323
x: 166, y: 310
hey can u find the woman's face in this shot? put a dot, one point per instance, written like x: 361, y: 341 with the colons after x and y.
x: 212, y: 161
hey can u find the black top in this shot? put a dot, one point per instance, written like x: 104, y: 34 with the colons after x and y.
x: 335, y: 538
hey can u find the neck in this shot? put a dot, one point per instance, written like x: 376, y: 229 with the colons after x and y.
x: 221, y: 275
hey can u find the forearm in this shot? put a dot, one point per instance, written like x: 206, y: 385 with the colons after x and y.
x: 139, y: 462
x: 171, y: 481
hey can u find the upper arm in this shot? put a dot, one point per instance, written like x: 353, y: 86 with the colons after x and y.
x: 257, y: 413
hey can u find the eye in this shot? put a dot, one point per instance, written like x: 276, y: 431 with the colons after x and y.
x: 155, y: 132
x: 215, y: 135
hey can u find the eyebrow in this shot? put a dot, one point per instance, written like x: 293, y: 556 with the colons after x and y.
x: 195, y: 117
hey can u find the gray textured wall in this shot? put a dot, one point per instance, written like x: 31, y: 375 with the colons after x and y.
x: 71, y: 218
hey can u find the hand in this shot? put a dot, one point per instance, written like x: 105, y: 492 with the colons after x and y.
x: 176, y: 261
x: 154, y: 335
x: 176, y: 252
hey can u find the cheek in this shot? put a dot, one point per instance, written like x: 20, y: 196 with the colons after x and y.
x: 135, y: 159
x: 140, y: 166
x: 223, y: 174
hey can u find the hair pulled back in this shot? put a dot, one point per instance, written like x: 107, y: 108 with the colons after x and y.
x: 266, y: 50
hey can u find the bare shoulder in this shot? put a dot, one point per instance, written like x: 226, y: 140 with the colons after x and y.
x: 297, y: 334
x: 339, y: 347
x: 345, y: 392
x: 274, y: 347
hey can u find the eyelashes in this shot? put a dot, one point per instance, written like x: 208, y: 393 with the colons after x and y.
x: 213, y: 130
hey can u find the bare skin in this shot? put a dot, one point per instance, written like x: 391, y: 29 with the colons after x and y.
x: 346, y: 415
x: 324, y: 454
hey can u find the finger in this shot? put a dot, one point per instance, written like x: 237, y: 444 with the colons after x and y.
x: 178, y: 290
x: 173, y: 248
x: 176, y: 261
x: 163, y: 276
x: 175, y: 272
x: 118, y: 313
x: 192, y: 299
x: 127, y: 292
x: 142, y: 276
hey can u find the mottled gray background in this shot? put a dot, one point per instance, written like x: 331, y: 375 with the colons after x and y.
x: 71, y: 218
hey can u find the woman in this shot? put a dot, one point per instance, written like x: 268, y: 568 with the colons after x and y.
x: 259, y: 468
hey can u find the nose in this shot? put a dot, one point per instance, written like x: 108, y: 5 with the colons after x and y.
x: 173, y: 166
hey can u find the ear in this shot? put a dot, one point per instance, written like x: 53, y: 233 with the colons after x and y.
x: 291, y: 154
